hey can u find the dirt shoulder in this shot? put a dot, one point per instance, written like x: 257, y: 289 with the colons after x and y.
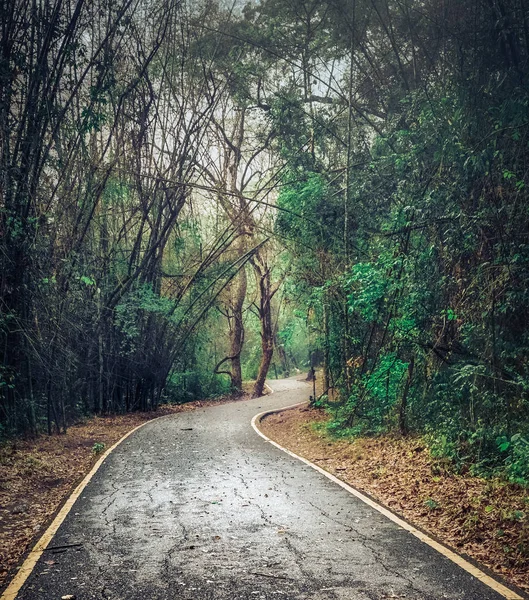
x: 38, y: 475
x: 488, y: 520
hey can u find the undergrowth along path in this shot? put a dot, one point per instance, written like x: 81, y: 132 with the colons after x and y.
x: 485, y: 519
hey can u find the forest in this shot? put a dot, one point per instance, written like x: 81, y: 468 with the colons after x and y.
x: 199, y: 193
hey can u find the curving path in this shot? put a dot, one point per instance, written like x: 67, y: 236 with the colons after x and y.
x: 198, y: 506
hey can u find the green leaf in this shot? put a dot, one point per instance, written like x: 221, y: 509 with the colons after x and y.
x: 87, y: 280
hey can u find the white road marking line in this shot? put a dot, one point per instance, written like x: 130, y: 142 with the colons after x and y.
x: 446, y: 552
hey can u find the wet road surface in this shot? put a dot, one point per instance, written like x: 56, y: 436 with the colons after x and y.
x: 198, y: 506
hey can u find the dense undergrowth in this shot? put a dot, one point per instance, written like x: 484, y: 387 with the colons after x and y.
x: 505, y: 460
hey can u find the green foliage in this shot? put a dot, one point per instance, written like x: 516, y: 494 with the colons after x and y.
x: 370, y: 287
x: 129, y: 312
x: 194, y: 385
x: 321, y: 402
x: 98, y: 448
x: 402, y: 213
x: 304, y: 208
x: 382, y: 386
x: 88, y: 281
x: 517, y: 461
x: 373, y: 400
x: 431, y: 504
x: 433, y: 292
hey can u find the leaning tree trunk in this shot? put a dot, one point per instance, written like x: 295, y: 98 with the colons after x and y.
x: 262, y: 272
x: 237, y: 332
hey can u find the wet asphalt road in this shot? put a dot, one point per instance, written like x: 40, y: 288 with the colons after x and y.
x: 198, y: 506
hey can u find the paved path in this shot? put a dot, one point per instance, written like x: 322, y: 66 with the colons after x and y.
x: 198, y: 506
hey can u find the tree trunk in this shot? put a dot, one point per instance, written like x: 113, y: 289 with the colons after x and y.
x: 282, y: 355
x: 267, y: 333
x: 326, y: 349
x: 403, y: 426
x: 237, y: 332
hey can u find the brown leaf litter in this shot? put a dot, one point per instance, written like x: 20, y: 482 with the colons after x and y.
x: 488, y: 520
x: 38, y: 475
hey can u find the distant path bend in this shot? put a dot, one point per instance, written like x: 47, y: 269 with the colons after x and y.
x: 197, y: 506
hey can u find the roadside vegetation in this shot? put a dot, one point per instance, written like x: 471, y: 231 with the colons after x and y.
x: 484, y: 519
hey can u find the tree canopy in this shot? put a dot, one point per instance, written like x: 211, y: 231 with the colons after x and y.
x: 193, y: 193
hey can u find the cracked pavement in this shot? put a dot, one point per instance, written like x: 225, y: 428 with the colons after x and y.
x: 198, y: 506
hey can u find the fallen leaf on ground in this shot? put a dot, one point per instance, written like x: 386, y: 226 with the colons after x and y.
x: 486, y: 519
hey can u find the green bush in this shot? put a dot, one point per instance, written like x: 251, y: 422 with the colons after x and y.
x: 517, y: 460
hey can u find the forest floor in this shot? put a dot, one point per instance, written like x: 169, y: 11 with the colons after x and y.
x: 38, y: 475
x: 487, y: 520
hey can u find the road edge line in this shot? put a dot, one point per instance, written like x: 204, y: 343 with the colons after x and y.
x: 15, y: 585
x: 446, y: 552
